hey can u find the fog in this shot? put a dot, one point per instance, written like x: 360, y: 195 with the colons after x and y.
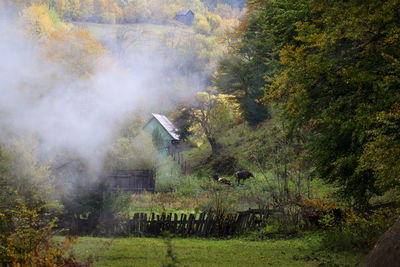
x: 79, y: 115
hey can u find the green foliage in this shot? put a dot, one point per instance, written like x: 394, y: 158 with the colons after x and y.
x: 27, y: 240
x: 168, y: 175
x: 259, y: 192
x: 132, y: 153
x: 222, y: 205
x: 235, y: 76
x: 211, y: 116
x: 97, y: 204
x: 26, y: 234
x: 336, y: 82
x: 21, y: 171
x: 276, y: 229
x: 254, y: 60
x: 224, y: 164
x: 170, y: 179
x: 330, y: 69
x: 183, y: 123
x: 358, y: 231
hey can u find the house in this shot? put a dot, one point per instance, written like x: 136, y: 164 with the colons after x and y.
x: 185, y: 16
x: 164, y: 134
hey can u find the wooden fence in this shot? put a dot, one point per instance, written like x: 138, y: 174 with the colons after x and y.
x: 204, y: 224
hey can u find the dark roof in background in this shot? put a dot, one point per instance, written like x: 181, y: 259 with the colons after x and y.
x: 183, y: 12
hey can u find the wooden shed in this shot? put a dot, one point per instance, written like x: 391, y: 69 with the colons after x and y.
x: 131, y: 181
x: 165, y: 134
x: 185, y: 16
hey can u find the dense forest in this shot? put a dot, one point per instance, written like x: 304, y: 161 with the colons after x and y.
x: 303, y: 94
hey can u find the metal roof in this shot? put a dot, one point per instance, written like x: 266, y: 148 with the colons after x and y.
x: 183, y: 12
x: 167, y: 124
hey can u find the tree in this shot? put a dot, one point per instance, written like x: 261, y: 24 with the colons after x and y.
x: 87, y: 9
x: 61, y: 7
x: 129, y: 153
x: 75, y: 9
x: 77, y: 51
x: 212, y: 115
x: 202, y: 26
x: 39, y: 21
x: 339, y: 76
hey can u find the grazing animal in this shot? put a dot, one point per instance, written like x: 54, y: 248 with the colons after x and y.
x: 215, y: 177
x: 243, y: 175
x: 224, y: 181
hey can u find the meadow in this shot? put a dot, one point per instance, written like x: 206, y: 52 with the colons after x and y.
x: 298, y: 251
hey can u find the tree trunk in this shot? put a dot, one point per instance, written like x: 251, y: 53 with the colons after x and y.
x: 386, y: 251
x: 214, y: 145
x: 286, y: 185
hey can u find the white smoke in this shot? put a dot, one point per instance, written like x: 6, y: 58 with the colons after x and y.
x: 81, y: 115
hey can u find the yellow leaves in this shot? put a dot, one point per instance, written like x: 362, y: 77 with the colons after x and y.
x: 37, y: 21
x: 214, y: 114
x: 318, y: 203
x: 203, y: 27
x: 77, y: 51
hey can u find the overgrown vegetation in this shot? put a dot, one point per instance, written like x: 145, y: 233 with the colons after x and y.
x: 301, y: 93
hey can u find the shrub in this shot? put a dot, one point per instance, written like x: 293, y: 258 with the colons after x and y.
x: 259, y: 192
x: 94, y: 208
x: 203, y: 27
x: 168, y: 174
x: 359, y: 231
x: 26, y: 240
x: 225, y: 164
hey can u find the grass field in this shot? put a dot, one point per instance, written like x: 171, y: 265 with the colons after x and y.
x: 206, y: 252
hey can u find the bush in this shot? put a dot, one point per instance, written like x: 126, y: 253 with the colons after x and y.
x: 94, y: 208
x: 225, y: 165
x: 26, y: 239
x: 359, y: 231
x: 202, y: 26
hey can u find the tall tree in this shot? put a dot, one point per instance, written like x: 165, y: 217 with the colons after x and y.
x: 340, y: 76
x: 254, y: 58
x: 211, y: 117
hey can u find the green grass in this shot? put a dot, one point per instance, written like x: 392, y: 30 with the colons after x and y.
x: 206, y: 252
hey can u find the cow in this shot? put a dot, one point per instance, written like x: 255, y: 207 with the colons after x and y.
x: 215, y: 177
x: 222, y: 180
x: 243, y: 175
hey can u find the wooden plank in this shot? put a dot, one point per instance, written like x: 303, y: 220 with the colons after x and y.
x: 189, y: 225
x: 141, y: 223
x: 175, y: 225
x: 182, y: 225
x: 145, y: 223
x: 209, y: 222
x: 202, y: 223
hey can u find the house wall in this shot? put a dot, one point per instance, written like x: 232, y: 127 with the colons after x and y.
x: 132, y: 181
x: 187, y: 20
x: 153, y: 125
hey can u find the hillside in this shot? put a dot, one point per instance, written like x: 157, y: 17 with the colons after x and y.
x: 142, y: 34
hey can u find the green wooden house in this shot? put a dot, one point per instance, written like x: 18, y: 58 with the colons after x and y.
x: 164, y: 134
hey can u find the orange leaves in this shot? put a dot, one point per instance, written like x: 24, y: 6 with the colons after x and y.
x: 318, y: 203
x: 37, y: 21
x: 77, y: 50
